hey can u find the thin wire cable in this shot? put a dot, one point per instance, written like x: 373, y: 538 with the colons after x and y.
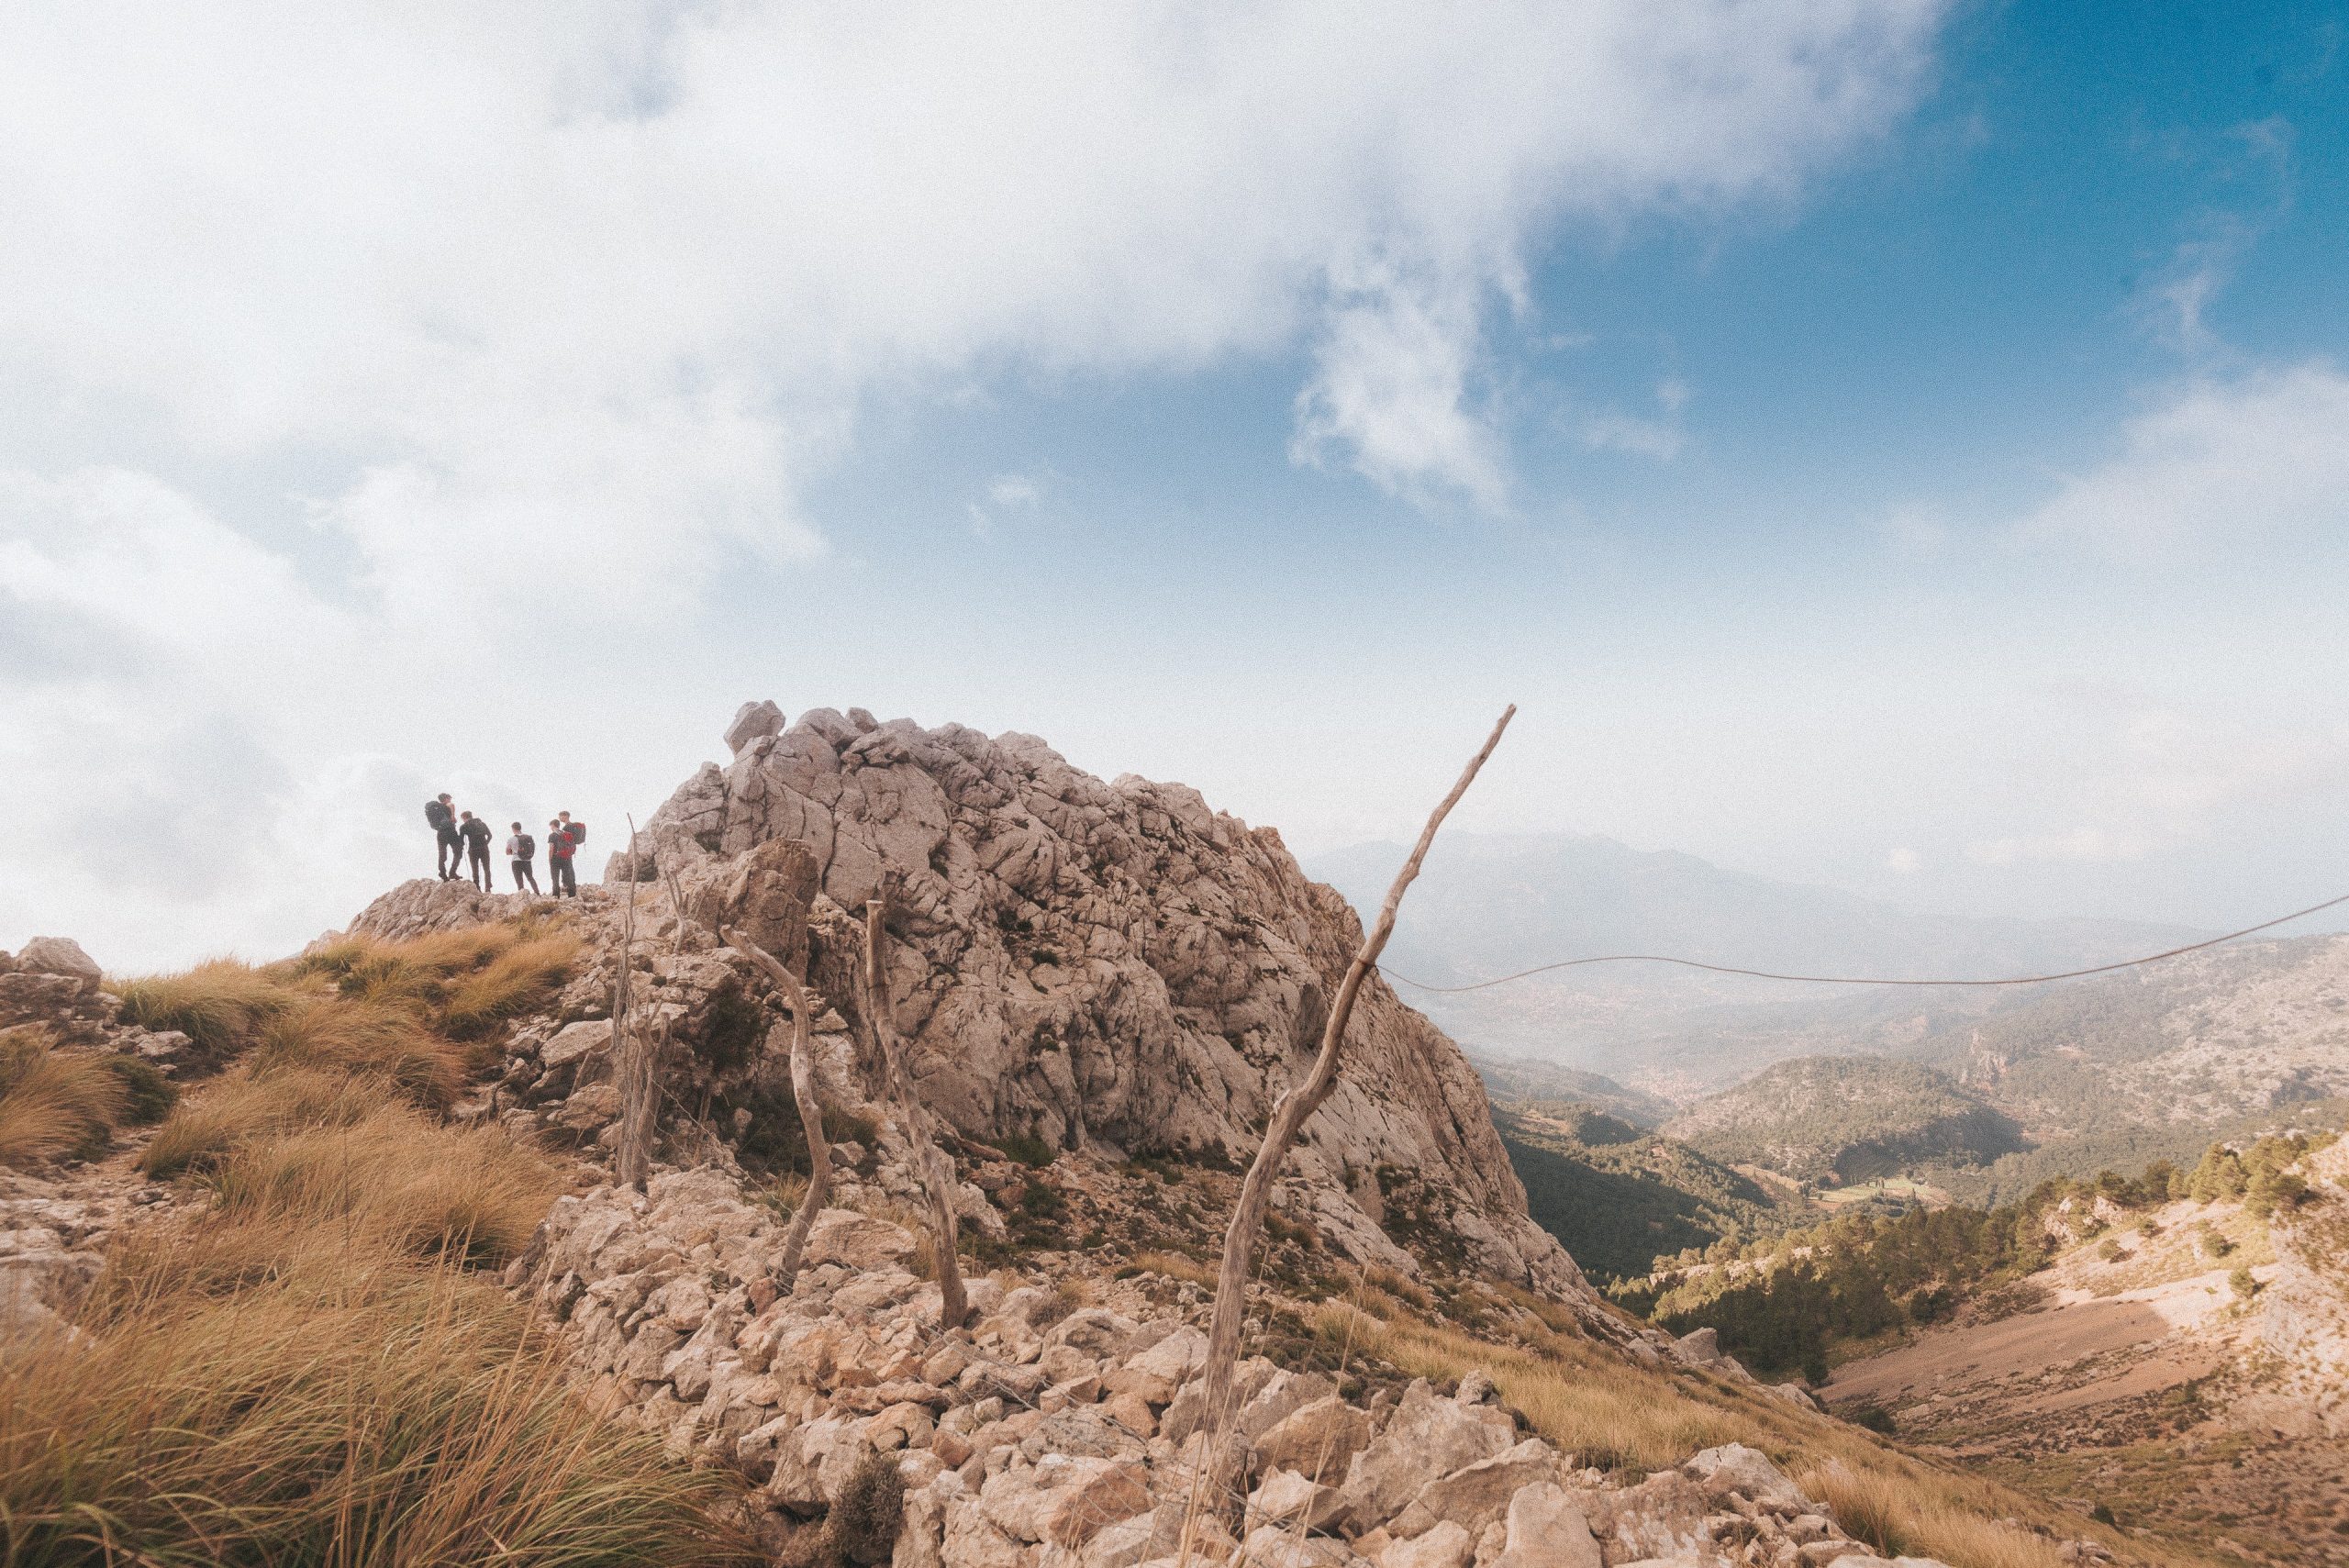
x: 1860, y: 979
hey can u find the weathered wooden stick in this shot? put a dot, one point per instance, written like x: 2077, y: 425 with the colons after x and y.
x: 803, y: 1091
x: 1289, y: 1113
x: 637, y: 1108
x: 937, y: 1176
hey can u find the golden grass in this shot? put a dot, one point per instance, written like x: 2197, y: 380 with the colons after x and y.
x: 219, y: 1004
x: 1590, y: 1402
x: 522, y: 977
x: 371, y: 1036
x: 241, y: 1108
x: 467, y: 980
x: 351, y: 1409
x: 309, y: 1370
x: 396, y: 1181
x: 1174, y: 1266
x: 52, y: 1102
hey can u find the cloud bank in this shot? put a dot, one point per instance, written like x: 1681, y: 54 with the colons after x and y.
x: 335, y: 335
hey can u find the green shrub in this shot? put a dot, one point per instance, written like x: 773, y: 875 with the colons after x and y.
x: 1027, y: 1148
x: 147, y: 1095
x: 863, y: 1528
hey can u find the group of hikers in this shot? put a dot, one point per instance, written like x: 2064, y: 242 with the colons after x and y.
x: 465, y: 849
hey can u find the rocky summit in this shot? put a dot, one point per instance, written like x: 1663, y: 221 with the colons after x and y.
x: 1112, y: 968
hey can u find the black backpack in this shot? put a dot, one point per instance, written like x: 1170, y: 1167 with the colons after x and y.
x: 526, y: 846
x: 436, y: 814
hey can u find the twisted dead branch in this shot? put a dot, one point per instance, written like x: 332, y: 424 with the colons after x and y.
x: 796, y: 996
x: 913, y: 1117
x: 1290, y: 1113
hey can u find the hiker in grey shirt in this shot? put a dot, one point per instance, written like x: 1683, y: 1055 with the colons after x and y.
x: 522, y: 850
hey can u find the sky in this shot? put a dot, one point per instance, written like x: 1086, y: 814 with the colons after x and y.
x: 1897, y: 445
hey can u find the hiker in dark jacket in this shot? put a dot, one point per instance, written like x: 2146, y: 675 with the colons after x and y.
x: 442, y: 819
x: 520, y: 851
x: 475, y: 833
x: 559, y: 849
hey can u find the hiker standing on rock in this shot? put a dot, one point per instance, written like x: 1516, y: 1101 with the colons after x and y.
x: 559, y: 849
x: 442, y: 819
x: 520, y: 851
x: 475, y: 833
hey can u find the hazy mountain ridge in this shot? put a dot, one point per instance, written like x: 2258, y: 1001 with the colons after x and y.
x: 1490, y: 904
x: 1846, y: 1118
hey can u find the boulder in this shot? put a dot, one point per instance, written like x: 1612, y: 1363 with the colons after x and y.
x: 59, y: 955
x: 1445, y: 1546
x: 1428, y: 1435
x: 1476, y: 1495
x: 1318, y: 1440
x: 1065, y: 1501
x: 1285, y: 1497
x: 1155, y: 1373
x: 753, y: 721
x: 1547, y: 1529
x: 1745, y: 1471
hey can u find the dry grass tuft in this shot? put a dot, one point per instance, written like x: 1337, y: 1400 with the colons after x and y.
x: 396, y: 1181
x: 350, y: 1409
x: 54, y: 1102
x: 219, y: 1005
x: 466, y: 980
x: 1174, y: 1266
x: 242, y: 1108
x: 371, y: 1036
x: 523, y: 977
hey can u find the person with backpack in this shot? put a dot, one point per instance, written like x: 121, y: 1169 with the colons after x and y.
x: 577, y: 831
x: 522, y: 850
x: 442, y: 819
x: 475, y: 833
x: 559, y: 849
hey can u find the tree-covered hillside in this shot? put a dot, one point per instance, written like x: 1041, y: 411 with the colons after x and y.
x: 1619, y: 1196
x: 1846, y: 1118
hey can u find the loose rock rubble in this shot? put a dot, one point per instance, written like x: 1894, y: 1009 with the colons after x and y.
x: 54, y: 1221
x: 1051, y: 1433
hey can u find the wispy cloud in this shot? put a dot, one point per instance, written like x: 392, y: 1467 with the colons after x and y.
x: 2214, y: 462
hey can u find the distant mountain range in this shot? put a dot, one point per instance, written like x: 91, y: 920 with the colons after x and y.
x: 1489, y: 904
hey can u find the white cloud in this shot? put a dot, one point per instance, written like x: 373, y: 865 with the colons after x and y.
x: 398, y: 373
x: 2215, y: 463
x: 1658, y: 439
x: 516, y: 257
x: 2079, y: 844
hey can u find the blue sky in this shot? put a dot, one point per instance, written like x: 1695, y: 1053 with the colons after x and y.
x: 1876, y: 443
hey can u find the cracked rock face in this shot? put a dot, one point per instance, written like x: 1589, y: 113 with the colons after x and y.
x: 1114, y: 967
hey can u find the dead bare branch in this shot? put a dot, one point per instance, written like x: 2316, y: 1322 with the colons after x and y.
x: 796, y: 996
x: 913, y: 1117
x: 1289, y: 1113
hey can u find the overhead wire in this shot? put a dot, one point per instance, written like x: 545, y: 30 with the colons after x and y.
x: 1863, y: 979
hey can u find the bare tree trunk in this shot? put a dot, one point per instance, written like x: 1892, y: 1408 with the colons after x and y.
x: 1289, y: 1113
x: 803, y: 1091
x: 938, y: 1176
x: 631, y: 1052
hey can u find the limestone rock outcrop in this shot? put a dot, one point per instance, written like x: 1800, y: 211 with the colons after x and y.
x: 1113, y: 968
